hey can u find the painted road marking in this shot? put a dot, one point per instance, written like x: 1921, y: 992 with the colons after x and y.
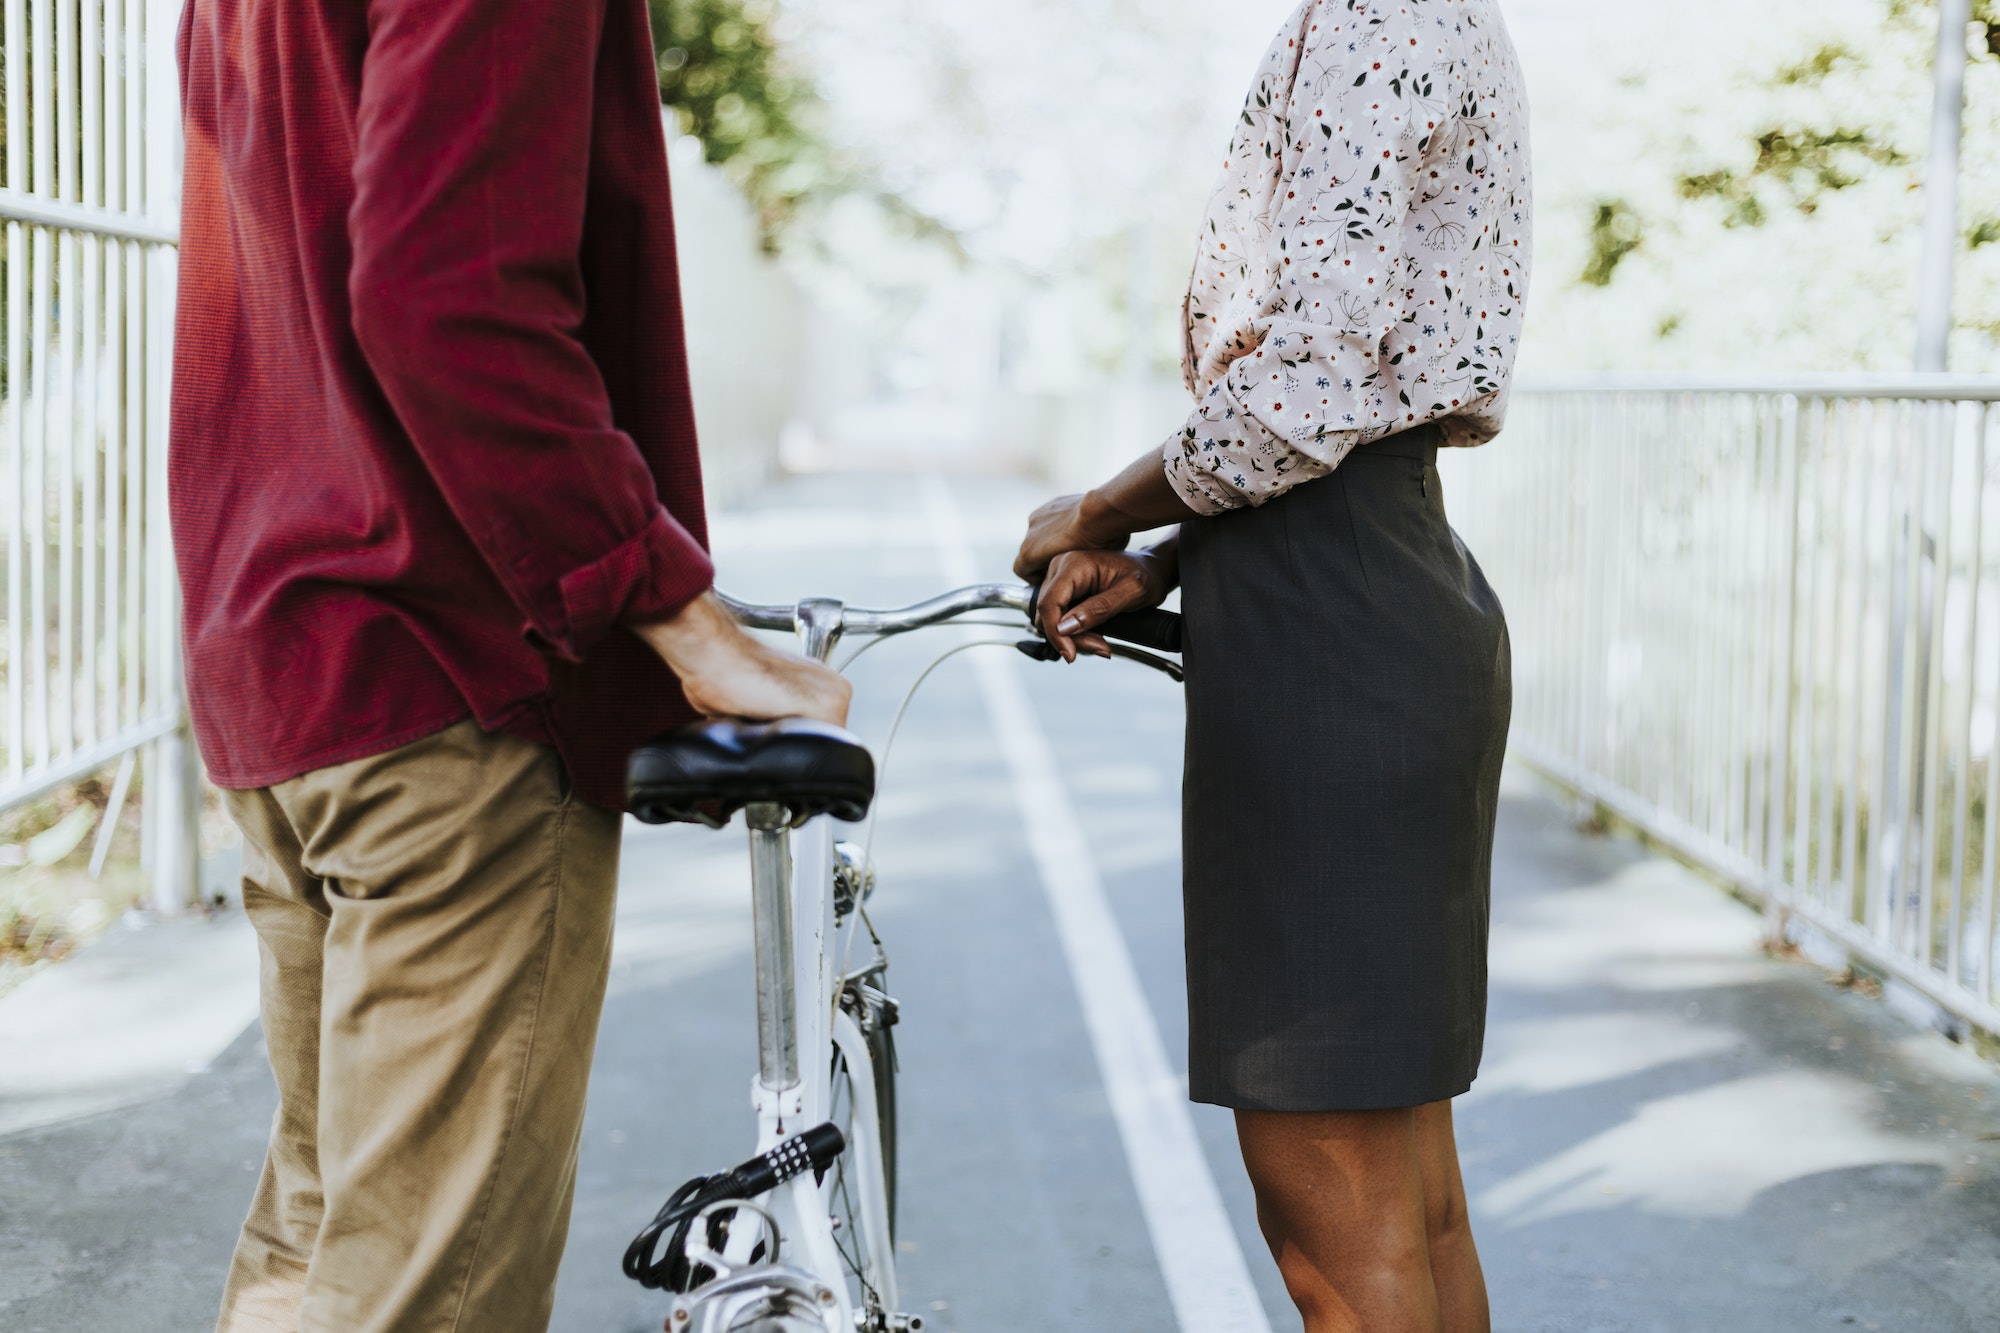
x: 1207, y: 1279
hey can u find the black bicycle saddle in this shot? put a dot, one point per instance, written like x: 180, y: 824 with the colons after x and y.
x: 705, y: 773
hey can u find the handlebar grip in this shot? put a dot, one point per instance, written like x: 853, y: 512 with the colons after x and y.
x: 1155, y: 629
x: 1158, y: 630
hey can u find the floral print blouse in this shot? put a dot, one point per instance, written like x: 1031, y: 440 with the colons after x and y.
x: 1364, y: 262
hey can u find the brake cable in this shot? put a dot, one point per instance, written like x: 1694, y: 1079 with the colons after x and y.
x: 880, y: 639
x: 896, y: 726
x: 1035, y: 648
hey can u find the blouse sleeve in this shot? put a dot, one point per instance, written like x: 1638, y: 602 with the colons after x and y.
x: 1333, y: 306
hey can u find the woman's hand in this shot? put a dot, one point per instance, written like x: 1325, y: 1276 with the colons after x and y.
x: 1059, y: 526
x: 1138, y: 499
x: 1086, y: 588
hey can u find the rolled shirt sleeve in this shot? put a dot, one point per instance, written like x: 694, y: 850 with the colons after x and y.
x: 1364, y: 264
x: 471, y: 170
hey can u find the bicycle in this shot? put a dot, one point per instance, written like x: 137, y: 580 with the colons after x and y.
x: 818, y: 1253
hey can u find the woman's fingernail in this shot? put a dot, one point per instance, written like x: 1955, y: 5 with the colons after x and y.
x: 1069, y: 625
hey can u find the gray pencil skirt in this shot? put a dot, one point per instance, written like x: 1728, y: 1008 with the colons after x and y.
x: 1348, y: 693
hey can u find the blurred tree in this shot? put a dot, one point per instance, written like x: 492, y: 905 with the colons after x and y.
x: 722, y: 72
x: 1798, y: 165
x: 1847, y: 121
x: 1615, y: 233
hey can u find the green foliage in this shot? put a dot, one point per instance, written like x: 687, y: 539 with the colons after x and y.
x: 1985, y: 232
x: 724, y: 76
x: 1615, y: 232
x: 1800, y: 166
x: 1816, y: 67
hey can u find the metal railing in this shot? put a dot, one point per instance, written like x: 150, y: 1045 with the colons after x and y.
x: 1761, y: 621
x: 90, y: 206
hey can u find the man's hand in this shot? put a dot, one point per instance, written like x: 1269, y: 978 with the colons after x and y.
x: 727, y: 673
x: 1086, y: 588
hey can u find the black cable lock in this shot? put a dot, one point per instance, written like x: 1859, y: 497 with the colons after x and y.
x: 646, y: 1264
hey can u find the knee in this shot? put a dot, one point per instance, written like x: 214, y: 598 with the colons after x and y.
x: 1327, y: 1271
x: 1391, y: 1258
x: 1446, y: 1221
x: 1310, y: 1233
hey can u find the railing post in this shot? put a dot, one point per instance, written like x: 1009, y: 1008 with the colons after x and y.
x: 1786, y: 883
x: 176, y: 807
x: 176, y: 864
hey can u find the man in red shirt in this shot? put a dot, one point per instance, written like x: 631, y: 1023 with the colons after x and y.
x: 438, y: 514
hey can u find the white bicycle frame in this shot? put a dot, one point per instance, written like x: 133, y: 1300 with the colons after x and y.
x: 799, y: 1022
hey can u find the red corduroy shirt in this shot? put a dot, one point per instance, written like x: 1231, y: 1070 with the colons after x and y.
x: 432, y: 444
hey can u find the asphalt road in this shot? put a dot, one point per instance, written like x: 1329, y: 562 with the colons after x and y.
x: 1672, y: 1132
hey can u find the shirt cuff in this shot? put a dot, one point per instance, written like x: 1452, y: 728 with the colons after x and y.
x: 1198, y: 491
x: 651, y: 577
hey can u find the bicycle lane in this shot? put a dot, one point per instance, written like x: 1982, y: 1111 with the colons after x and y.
x: 1199, y: 1254
x: 1114, y: 735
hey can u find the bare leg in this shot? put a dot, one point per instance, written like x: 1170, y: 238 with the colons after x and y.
x: 1455, y: 1271
x: 1341, y: 1202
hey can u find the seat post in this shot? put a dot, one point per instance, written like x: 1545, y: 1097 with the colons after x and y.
x: 771, y: 915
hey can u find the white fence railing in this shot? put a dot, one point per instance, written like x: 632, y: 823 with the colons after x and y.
x: 90, y: 205
x: 1762, y: 623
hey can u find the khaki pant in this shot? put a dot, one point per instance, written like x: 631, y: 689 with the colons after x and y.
x: 436, y: 928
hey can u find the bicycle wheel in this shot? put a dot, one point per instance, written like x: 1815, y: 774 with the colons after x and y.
x: 874, y: 1014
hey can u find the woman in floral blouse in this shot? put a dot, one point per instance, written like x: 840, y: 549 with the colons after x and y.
x: 1356, y: 303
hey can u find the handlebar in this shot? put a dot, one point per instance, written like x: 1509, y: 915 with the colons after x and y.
x: 1155, y: 629
x: 1158, y: 630
x: 858, y: 620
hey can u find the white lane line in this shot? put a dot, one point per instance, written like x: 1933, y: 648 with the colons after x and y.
x: 1207, y: 1280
